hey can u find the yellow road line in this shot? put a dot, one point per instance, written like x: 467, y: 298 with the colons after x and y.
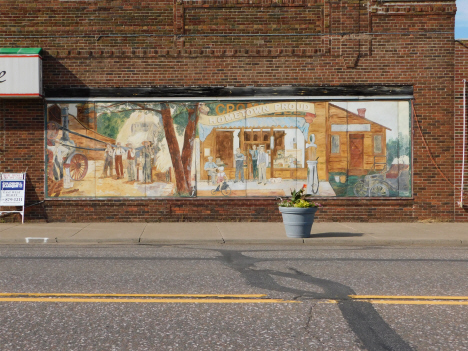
x: 389, y: 297
x: 135, y: 295
x: 416, y: 302
x: 120, y: 300
x: 220, y: 298
x: 408, y: 300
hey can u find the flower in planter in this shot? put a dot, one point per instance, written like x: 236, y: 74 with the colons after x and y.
x: 298, y: 199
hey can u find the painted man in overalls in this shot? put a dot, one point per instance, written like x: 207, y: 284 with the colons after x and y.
x: 254, y: 154
x: 210, y: 168
x: 239, y: 156
x: 262, y: 162
x: 146, y: 153
x: 118, y: 156
x: 59, y: 153
x: 131, y: 162
x: 108, y: 161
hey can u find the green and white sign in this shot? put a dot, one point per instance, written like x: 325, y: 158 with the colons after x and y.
x: 20, y: 73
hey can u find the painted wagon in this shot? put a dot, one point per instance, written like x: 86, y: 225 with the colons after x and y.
x: 379, y: 182
x: 75, y: 162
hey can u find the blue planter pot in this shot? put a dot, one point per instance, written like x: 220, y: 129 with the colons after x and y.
x: 298, y: 221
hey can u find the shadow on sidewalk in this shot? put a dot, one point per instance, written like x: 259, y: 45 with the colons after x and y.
x: 335, y: 235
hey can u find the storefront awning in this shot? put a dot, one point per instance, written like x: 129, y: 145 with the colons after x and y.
x: 258, y: 122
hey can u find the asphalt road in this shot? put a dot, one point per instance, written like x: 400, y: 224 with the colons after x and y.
x: 225, y: 297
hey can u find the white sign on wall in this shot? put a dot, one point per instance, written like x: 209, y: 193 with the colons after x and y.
x: 20, y: 76
x: 12, y: 189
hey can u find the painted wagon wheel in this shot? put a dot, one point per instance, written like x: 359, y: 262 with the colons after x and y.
x: 379, y: 189
x: 78, y: 166
x: 52, y: 130
x: 360, y: 189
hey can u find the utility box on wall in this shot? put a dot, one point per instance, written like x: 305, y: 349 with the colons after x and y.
x: 20, y: 73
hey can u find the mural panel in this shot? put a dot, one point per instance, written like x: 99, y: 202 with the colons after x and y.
x: 228, y: 148
x: 120, y: 164
x: 273, y: 132
x: 224, y: 162
x: 71, y: 151
x: 403, y: 162
x: 377, y: 140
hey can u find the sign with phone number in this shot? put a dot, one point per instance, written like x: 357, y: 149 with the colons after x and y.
x: 12, y: 192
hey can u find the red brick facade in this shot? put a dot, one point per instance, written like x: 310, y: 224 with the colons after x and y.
x: 461, y: 73
x: 115, y: 44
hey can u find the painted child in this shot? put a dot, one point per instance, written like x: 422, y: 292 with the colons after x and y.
x: 221, y: 177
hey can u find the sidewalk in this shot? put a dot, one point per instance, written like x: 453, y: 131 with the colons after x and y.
x: 357, y: 234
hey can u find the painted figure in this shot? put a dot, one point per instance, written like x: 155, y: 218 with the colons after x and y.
x: 131, y: 162
x: 221, y: 178
x: 119, y: 152
x: 108, y: 161
x: 210, y: 168
x: 202, y: 108
x: 239, y: 157
x: 254, y: 154
x: 146, y: 153
x: 262, y: 161
x: 59, y: 153
x: 67, y: 179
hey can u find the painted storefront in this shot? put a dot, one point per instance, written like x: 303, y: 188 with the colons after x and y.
x: 228, y: 148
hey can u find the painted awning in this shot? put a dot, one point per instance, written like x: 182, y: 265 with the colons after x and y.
x: 258, y: 122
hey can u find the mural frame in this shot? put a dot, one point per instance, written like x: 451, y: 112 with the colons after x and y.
x: 340, y: 183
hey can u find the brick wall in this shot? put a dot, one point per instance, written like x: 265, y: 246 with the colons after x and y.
x: 461, y: 72
x: 22, y: 148
x: 170, y: 43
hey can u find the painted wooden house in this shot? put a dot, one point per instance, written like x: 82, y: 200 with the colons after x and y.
x: 356, y: 145
x: 340, y: 140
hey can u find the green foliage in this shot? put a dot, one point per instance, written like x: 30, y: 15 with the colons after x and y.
x: 110, y: 123
x: 212, y: 107
x: 397, y: 148
x: 296, y: 196
x: 180, y: 115
x: 180, y: 118
x: 303, y: 204
x: 159, y: 138
x: 298, y: 199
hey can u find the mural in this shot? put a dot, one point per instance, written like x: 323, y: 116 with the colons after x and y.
x: 228, y: 149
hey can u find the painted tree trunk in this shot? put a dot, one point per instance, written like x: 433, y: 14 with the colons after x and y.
x: 174, y: 150
x: 187, y: 150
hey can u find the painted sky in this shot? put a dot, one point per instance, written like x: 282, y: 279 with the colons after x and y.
x: 390, y: 114
x: 461, y: 20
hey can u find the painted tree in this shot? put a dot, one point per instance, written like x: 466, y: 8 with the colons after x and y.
x: 173, y: 144
x: 189, y: 138
x: 177, y: 118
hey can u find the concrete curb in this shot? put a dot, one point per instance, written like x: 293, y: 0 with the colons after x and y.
x: 286, y: 242
x: 243, y: 233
